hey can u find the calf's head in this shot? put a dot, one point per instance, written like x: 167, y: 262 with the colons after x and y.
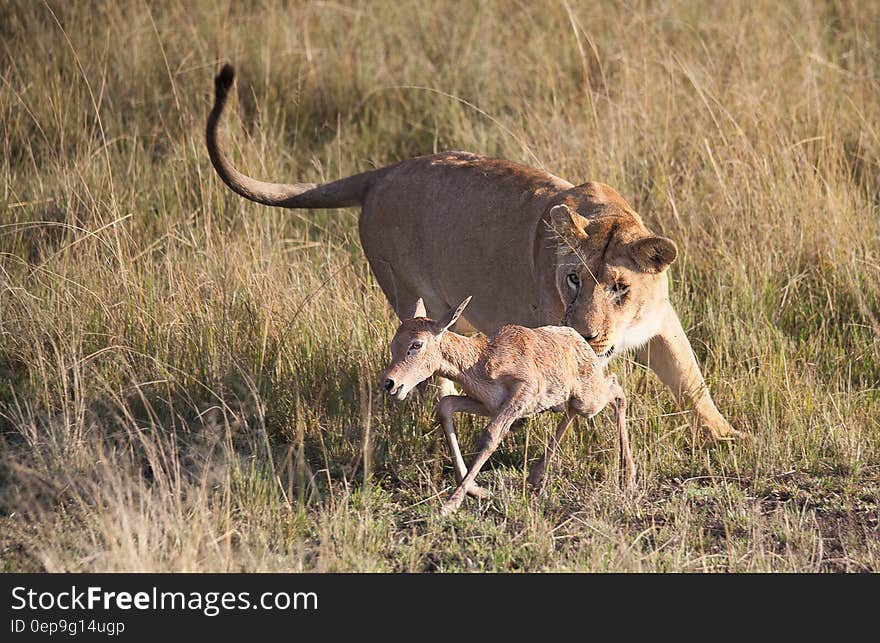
x: 415, y: 350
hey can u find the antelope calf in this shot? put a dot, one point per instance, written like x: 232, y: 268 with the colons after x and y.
x: 515, y: 373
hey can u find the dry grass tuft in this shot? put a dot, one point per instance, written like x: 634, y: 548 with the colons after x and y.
x: 185, y: 377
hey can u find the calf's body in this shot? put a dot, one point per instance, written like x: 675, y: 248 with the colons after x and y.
x: 515, y: 373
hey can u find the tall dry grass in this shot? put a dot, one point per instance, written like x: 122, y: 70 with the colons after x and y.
x: 186, y: 378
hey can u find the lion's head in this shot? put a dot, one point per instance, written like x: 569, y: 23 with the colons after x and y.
x: 611, y: 276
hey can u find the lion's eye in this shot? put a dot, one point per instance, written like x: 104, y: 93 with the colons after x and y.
x: 573, y: 280
x: 619, y: 290
x: 415, y: 346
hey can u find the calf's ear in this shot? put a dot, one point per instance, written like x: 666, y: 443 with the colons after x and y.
x: 444, y: 323
x: 418, y: 310
x: 653, y: 254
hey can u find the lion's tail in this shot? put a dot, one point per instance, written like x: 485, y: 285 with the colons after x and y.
x: 338, y: 194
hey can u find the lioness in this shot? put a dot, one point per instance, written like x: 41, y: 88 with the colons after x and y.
x: 532, y: 249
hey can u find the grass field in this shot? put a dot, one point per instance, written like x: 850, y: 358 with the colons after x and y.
x: 187, y: 379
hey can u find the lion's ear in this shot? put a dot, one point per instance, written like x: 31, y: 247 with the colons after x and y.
x: 567, y: 223
x: 653, y: 254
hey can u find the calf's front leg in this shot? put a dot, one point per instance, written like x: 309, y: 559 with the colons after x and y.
x: 448, y: 405
x: 495, y: 432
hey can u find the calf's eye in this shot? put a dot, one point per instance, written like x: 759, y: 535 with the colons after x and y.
x: 573, y: 280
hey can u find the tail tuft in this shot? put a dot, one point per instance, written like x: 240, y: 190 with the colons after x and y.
x: 223, y: 82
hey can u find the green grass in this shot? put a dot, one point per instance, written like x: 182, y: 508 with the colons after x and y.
x: 187, y: 378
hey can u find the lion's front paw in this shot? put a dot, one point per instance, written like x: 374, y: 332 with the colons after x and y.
x: 719, y: 430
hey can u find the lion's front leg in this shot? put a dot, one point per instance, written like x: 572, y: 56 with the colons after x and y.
x: 669, y: 354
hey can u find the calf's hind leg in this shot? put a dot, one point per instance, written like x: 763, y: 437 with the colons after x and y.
x: 446, y: 406
x: 627, y: 466
x: 537, y: 470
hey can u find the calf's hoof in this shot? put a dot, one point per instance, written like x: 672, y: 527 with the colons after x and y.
x: 449, y: 508
x: 454, y: 502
